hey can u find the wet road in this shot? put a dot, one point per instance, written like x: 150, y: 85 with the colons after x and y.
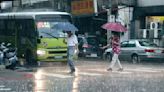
x: 91, y: 76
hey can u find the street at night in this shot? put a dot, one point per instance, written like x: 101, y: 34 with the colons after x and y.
x: 90, y: 76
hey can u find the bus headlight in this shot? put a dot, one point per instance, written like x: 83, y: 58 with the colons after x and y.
x: 41, y: 52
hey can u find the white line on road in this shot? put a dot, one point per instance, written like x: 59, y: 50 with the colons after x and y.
x: 2, y: 86
x: 90, y: 74
x: 5, y: 89
x: 122, y: 72
x: 98, y: 70
x: 142, y: 70
x: 57, y: 75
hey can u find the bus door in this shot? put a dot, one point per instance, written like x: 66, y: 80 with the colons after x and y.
x: 26, y: 39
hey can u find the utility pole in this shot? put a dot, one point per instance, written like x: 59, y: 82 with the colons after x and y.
x: 108, y: 20
x: 95, y: 7
x: 111, y: 16
x: 69, y: 5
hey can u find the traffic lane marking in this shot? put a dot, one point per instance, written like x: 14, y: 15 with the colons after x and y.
x: 143, y: 70
x: 70, y: 76
x: 90, y: 74
x: 57, y: 75
x: 4, y: 88
x: 99, y: 72
x: 122, y: 72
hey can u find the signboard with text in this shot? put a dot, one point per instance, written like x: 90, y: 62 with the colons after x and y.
x: 82, y: 7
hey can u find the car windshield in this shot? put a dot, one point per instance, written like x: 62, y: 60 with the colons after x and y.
x: 147, y: 44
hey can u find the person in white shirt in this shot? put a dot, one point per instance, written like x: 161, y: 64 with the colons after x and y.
x: 72, y: 44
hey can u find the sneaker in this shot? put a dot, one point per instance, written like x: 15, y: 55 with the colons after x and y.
x: 109, y: 69
x: 120, y: 69
x: 72, y: 71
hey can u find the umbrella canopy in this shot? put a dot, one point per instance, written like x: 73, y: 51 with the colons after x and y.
x: 65, y: 26
x: 114, y: 26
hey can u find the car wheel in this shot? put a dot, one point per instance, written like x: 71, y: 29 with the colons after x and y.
x: 83, y: 55
x: 135, y: 59
x: 109, y: 57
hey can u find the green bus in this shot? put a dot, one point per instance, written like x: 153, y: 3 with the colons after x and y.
x: 34, y: 35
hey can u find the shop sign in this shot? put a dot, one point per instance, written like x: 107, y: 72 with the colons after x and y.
x: 82, y: 7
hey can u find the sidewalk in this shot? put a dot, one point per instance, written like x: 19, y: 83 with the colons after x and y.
x: 6, y: 74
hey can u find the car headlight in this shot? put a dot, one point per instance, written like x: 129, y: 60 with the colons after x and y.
x: 41, y: 52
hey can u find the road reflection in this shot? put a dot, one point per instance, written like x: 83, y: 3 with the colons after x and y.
x: 76, y: 81
x: 39, y: 82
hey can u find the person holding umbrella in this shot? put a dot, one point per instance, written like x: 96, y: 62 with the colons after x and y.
x: 72, y: 44
x: 116, y: 28
x: 115, y: 42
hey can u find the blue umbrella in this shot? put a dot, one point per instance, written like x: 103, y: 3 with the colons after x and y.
x: 65, y: 26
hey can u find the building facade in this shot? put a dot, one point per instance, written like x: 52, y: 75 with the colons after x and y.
x: 59, y: 5
x: 90, y: 17
x: 148, y: 21
x: 143, y: 19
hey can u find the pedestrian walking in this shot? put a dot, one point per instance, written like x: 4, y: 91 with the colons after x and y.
x: 116, y: 29
x: 72, y: 44
x: 115, y: 43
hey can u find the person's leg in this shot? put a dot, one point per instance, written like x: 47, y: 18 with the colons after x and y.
x: 119, y: 64
x: 70, y: 58
x: 1, y: 59
x: 114, y: 58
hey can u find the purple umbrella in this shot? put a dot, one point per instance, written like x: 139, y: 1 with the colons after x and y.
x: 114, y: 26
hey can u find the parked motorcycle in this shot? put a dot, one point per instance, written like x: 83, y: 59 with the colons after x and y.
x: 8, y: 56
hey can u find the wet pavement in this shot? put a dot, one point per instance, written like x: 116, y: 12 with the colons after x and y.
x: 90, y: 76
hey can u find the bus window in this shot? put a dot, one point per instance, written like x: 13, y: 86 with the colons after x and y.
x: 46, y: 29
x: 45, y: 25
x: 2, y: 27
x: 11, y: 31
x: 7, y: 27
x: 26, y: 29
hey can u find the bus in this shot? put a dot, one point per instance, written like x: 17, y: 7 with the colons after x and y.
x: 34, y: 35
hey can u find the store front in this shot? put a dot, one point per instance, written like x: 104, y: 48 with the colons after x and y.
x: 148, y: 22
x: 86, y: 20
